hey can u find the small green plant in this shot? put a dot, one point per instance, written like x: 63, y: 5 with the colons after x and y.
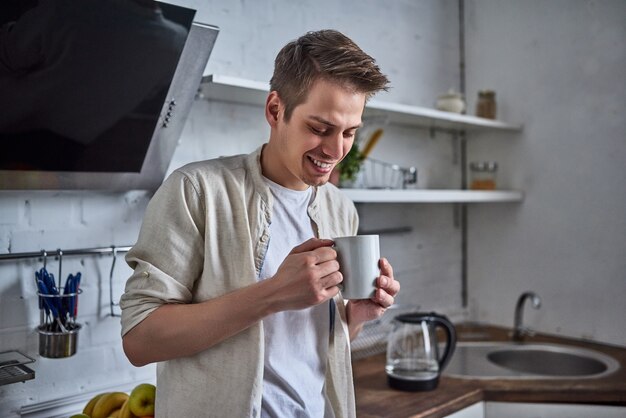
x: 349, y: 167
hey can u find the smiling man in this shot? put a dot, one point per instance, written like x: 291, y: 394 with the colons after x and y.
x: 307, y: 144
x: 235, y: 285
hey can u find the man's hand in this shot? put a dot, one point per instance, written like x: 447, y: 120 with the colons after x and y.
x: 308, y: 276
x: 363, y: 310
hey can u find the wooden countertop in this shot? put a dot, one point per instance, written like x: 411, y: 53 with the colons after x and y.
x: 375, y: 399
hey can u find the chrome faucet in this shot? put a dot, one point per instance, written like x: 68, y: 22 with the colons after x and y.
x: 519, y: 330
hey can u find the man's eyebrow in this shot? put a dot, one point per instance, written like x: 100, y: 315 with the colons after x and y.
x: 328, y: 123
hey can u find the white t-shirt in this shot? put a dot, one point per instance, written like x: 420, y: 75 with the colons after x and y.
x: 296, y: 342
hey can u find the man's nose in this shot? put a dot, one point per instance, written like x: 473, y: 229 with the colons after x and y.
x: 332, y: 146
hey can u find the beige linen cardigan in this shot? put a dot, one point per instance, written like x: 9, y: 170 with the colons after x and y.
x: 205, y: 233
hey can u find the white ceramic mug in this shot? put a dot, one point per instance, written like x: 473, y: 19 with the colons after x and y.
x: 358, y: 258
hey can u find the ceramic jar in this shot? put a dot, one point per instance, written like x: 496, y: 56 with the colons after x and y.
x: 451, y: 102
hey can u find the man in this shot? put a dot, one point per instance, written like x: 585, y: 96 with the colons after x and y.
x: 235, y: 279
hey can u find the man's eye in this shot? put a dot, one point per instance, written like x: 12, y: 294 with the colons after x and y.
x: 318, y: 131
x: 349, y: 134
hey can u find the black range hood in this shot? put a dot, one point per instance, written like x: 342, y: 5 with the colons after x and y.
x: 110, y: 116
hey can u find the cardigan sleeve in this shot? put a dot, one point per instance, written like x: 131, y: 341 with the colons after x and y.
x: 168, y: 256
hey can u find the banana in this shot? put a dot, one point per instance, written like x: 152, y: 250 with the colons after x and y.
x: 125, y: 411
x: 89, y: 407
x: 108, y: 403
x: 115, y: 414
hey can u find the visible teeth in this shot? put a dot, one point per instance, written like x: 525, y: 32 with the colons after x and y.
x: 321, y: 164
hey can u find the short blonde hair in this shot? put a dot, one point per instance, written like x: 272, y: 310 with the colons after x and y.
x: 326, y: 54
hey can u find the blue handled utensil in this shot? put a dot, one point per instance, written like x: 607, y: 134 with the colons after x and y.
x: 75, y: 298
x: 44, y: 302
x: 69, y: 301
x: 43, y: 306
x: 48, y: 279
x: 52, y: 289
x: 66, y: 301
x: 43, y: 290
x: 50, y: 302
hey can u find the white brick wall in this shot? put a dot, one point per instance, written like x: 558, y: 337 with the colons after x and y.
x: 567, y: 241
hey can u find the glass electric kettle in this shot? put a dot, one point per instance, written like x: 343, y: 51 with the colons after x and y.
x: 413, y: 360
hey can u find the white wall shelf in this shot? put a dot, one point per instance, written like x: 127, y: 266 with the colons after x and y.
x: 433, y: 196
x: 238, y: 90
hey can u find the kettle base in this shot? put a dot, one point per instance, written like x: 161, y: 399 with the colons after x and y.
x: 412, y: 385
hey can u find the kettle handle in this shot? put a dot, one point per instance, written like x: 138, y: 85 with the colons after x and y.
x: 443, y: 322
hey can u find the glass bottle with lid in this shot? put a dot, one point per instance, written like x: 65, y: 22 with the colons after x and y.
x: 483, y: 175
x: 486, y: 104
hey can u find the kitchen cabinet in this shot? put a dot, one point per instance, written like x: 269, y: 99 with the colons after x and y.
x: 242, y: 91
x: 474, y: 411
x: 545, y: 410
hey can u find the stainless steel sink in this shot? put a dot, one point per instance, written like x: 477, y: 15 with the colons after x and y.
x: 496, y: 360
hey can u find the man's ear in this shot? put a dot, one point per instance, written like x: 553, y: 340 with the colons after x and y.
x: 273, y: 106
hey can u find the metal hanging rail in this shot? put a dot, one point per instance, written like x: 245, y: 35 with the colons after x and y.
x: 60, y: 253
x: 79, y: 251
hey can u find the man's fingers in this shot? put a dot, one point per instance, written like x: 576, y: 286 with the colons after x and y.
x: 385, y: 267
x: 325, y: 254
x: 386, y: 280
x: 333, y: 278
x: 383, y: 298
x: 311, y: 245
x: 389, y: 284
x: 319, y: 255
x: 330, y: 292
